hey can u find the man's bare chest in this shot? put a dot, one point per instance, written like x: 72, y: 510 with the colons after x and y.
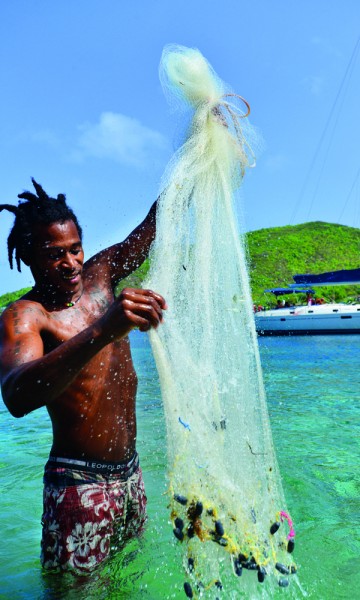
x: 62, y: 325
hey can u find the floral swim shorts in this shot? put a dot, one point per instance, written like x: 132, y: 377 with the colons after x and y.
x: 89, y: 507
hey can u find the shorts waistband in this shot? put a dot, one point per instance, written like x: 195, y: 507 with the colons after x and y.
x: 96, y: 466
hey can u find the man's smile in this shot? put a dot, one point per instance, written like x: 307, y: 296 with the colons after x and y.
x: 73, y: 276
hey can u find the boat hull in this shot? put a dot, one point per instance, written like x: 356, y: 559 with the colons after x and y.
x: 328, y: 319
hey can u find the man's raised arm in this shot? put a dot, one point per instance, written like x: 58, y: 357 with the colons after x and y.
x: 125, y: 257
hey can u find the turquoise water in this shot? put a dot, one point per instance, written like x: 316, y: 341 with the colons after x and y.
x: 312, y: 386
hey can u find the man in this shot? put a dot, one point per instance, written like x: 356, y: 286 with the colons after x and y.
x: 64, y: 345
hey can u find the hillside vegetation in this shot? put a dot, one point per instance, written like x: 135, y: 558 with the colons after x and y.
x: 278, y: 253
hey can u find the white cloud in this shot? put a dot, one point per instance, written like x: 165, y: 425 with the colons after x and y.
x: 119, y: 138
x: 325, y: 46
x: 276, y: 162
x: 314, y: 84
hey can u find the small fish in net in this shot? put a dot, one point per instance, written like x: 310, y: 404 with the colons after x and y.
x: 227, y: 505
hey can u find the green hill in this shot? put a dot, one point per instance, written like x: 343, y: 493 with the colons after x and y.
x: 278, y: 253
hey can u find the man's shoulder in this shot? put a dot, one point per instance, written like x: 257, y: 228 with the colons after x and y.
x: 23, y: 306
x: 97, y: 272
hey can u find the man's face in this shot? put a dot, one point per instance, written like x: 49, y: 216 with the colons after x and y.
x: 57, y: 257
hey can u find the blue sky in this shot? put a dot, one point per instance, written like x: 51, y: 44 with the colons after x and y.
x: 82, y: 109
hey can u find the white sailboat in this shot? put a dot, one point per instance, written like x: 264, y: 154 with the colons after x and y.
x: 317, y: 319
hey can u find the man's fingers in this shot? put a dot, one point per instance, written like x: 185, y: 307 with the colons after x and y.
x: 143, y: 308
x: 150, y: 311
x: 140, y: 295
x: 158, y: 298
x: 140, y: 322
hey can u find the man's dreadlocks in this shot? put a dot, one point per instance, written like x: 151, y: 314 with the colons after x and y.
x: 39, y: 208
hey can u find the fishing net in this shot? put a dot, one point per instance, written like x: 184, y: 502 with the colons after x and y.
x: 226, y: 500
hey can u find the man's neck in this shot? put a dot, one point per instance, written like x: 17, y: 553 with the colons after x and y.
x: 52, y: 298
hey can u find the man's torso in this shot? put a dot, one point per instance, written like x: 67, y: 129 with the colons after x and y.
x: 95, y: 416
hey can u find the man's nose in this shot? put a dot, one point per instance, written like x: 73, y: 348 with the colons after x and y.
x: 69, y: 261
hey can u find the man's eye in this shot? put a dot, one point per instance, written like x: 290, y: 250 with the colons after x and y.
x: 76, y: 251
x: 54, y: 255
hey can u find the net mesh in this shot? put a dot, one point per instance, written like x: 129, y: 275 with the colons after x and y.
x: 224, y: 485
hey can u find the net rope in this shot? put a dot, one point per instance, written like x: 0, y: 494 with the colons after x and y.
x: 225, y: 490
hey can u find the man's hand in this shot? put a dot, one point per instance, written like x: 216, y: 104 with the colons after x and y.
x: 134, y: 308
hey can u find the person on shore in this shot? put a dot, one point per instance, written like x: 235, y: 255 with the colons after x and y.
x: 64, y: 345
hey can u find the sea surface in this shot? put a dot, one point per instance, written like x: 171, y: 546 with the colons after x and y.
x: 313, y: 391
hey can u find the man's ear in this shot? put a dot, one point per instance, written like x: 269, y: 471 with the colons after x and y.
x: 25, y: 260
x: 25, y: 250
x: 25, y: 254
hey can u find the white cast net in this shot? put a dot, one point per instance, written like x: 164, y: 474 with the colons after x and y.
x: 224, y: 485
